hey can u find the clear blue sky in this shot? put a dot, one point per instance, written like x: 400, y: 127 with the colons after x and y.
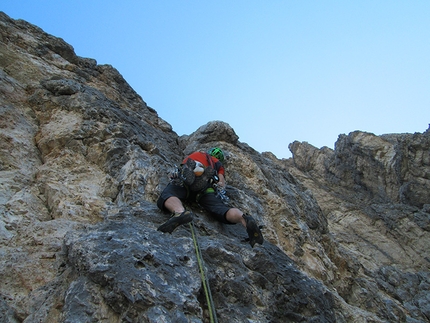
x: 276, y: 71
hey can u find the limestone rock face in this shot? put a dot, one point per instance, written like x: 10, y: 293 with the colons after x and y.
x: 374, y: 192
x: 83, y: 160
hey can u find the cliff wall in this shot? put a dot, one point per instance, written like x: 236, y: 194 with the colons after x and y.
x: 83, y: 160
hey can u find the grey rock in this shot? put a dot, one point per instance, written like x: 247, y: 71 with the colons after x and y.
x: 83, y: 160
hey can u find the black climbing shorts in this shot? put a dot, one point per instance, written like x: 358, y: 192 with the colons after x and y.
x: 209, y: 201
x: 171, y: 190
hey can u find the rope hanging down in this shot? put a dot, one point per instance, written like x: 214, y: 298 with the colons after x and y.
x: 206, y: 287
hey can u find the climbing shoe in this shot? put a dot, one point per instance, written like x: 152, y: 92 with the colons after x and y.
x: 202, y: 182
x: 254, y: 233
x: 188, y: 175
x: 175, y: 221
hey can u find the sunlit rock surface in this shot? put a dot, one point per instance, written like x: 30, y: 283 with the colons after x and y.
x: 83, y: 160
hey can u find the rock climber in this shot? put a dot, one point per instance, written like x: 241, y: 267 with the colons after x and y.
x: 200, y: 178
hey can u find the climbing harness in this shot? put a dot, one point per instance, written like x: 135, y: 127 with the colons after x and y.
x: 205, y: 281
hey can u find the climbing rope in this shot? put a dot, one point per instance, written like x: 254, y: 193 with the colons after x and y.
x: 206, y: 287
